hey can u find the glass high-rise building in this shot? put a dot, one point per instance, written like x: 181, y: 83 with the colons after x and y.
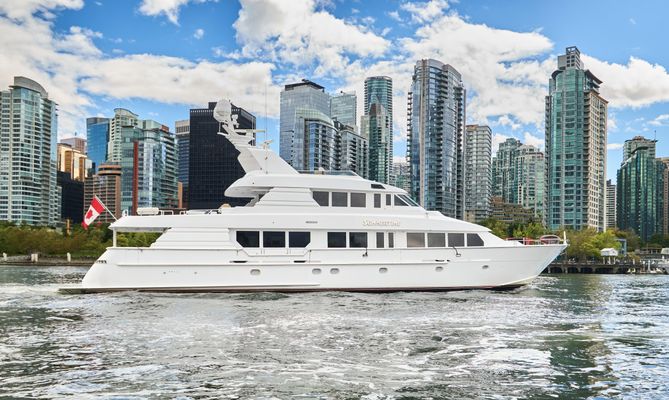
x: 351, y: 150
x: 97, y: 135
x: 528, y: 180
x: 182, y: 131
x: 212, y: 162
x: 576, y: 118
x: 612, y: 205
x: 478, y: 172
x: 343, y: 108
x: 123, y: 120
x: 152, y: 146
x: 28, y: 136
x: 302, y: 96
x: 640, y: 191
x: 377, y: 126
x: 502, y: 169
x: 436, y: 114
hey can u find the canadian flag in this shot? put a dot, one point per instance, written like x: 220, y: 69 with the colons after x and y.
x: 93, y: 212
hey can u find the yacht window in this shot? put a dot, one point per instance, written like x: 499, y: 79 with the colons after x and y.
x: 358, y: 200
x: 336, y: 239
x: 339, y: 199
x: 377, y: 186
x: 248, y: 238
x: 389, y: 201
x: 273, y: 239
x: 474, y: 240
x: 399, y: 201
x: 299, y: 239
x: 391, y: 240
x: 415, y: 239
x: 379, y: 240
x: 436, y: 240
x: 377, y: 200
x: 456, y: 239
x: 409, y: 200
x: 357, y: 239
x: 322, y: 198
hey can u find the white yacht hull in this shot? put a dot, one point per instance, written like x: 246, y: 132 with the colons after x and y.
x: 192, y: 270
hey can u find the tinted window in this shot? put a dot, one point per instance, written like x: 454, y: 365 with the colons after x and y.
x: 322, y: 198
x: 456, y: 239
x: 248, y: 238
x: 391, y: 240
x: 436, y: 240
x: 474, y: 240
x: 336, y: 239
x: 399, y: 201
x: 377, y: 200
x: 357, y: 239
x: 379, y: 240
x: 377, y: 186
x: 358, y: 200
x: 389, y: 200
x: 409, y: 200
x: 339, y: 199
x: 299, y: 239
x: 415, y: 239
x: 273, y: 239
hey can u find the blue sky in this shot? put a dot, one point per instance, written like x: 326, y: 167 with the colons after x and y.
x: 161, y: 57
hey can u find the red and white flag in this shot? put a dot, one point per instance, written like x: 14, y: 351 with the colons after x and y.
x: 93, y: 212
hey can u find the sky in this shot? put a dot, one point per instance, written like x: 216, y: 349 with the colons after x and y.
x: 159, y: 58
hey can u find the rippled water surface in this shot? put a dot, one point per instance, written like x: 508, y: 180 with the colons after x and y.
x: 575, y: 336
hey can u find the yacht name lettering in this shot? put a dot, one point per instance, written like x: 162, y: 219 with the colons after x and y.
x: 367, y: 222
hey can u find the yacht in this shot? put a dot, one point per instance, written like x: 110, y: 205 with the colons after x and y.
x: 311, y: 232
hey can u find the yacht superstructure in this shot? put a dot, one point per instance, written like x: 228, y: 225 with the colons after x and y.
x: 311, y: 231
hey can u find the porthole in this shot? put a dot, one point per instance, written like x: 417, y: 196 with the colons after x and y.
x: 485, y: 267
x: 439, y: 268
x: 255, y: 272
x: 383, y: 270
x: 334, y: 271
x: 316, y: 271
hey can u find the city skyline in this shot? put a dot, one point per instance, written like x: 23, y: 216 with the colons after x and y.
x: 192, y: 56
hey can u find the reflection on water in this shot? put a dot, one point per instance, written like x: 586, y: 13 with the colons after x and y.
x: 574, y: 336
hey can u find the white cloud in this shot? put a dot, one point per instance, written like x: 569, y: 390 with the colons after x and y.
x: 169, y: 8
x: 199, y: 33
x: 72, y: 69
x: 505, y: 120
x: 614, y: 146
x: 297, y: 34
x: 422, y: 12
x: 532, y: 140
x: 395, y: 15
x: 660, y: 120
x: 636, y: 84
x: 632, y: 21
x: 24, y: 9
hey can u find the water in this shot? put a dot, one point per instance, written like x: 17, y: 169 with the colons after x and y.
x: 578, y: 336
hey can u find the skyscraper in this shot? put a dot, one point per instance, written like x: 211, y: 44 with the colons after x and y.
x: 665, y: 196
x: 297, y: 100
x: 212, y: 162
x: 182, y: 130
x: 28, y: 187
x: 528, y: 180
x: 149, y: 149
x: 641, y: 190
x: 576, y: 117
x: 503, y: 170
x: 351, y: 150
x: 478, y: 172
x: 377, y: 126
x: 97, y: 135
x: 123, y: 119
x: 436, y: 114
x: 343, y: 108
x: 77, y: 143
x: 72, y: 161
x: 611, y: 205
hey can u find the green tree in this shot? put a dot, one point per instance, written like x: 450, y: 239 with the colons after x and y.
x: 498, y: 228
